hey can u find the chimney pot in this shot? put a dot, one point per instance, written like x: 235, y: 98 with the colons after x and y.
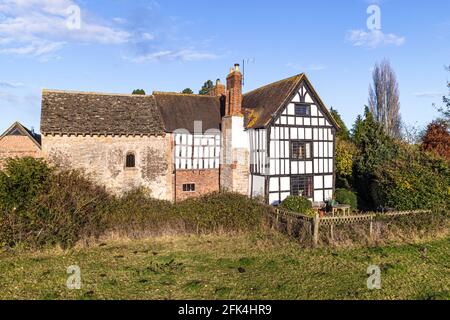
x: 234, y: 93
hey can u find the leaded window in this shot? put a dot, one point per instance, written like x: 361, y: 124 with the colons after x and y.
x: 302, y: 110
x: 301, y: 150
x: 302, y: 186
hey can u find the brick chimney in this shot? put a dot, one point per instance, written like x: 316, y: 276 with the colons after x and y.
x: 218, y: 90
x: 234, y: 92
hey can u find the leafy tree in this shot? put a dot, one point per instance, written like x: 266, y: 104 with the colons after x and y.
x: 345, y: 155
x: 187, y: 91
x: 139, y: 92
x: 344, y: 133
x: 206, y: 88
x: 437, y: 139
x: 375, y: 147
x: 357, y: 128
x: 384, y: 99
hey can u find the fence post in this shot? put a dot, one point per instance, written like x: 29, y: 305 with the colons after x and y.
x: 316, y: 230
x: 371, y: 229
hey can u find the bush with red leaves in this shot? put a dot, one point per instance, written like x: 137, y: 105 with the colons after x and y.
x: 437, y: 139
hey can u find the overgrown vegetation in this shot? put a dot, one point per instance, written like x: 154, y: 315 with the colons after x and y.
x: 43, y: 206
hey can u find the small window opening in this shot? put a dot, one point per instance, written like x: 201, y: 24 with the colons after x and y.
x: 302, y: 110
x: 301, y: 150
x: 131, y: 161
x: 189, y: 187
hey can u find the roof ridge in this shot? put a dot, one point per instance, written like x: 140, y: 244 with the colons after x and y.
x: 156, y: 93
x: 276, y: 82
x: 94, y: 93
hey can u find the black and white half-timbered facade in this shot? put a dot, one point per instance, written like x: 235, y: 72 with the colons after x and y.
x: 272, y: 142
x: 293, y: 147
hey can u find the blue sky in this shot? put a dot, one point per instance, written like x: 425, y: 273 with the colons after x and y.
x: 173, y: 44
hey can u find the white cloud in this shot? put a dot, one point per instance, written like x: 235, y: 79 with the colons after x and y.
x: 148, y: 36
x: 120, y: 20
x: 10, y: 85
x: 40, y: 28
x: 429, y: 94
x: 169, y: 55
x: 374, y: 39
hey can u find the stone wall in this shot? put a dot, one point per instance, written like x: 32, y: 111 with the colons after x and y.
x: 235, y: 158
x: 18, y: 147
x: 103, y: 159
x: 206, y: 181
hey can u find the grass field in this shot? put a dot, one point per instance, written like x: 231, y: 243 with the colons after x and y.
x: 267, y: 266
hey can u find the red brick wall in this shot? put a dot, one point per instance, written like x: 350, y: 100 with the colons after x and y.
x: 234, y: 94
x: 18, y: 146
x: 206, y: 181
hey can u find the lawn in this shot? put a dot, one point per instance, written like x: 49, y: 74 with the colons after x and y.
x: 260, y: 266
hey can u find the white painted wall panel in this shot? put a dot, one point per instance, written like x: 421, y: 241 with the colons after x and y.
x: 308, y: 133
x: 318, y: 182
x: 285, y: 183
x: 258, y: 186
x: 274, y: 184
x: 291, y: 109
x: 328, y: 182
x: 273, y: 199
x: 309, y: 167
x: 318, y: 196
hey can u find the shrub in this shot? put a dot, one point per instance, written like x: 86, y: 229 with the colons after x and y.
x: 135, y: 213
x: 297, y: 204
x: 222, y: 212
x: 348, y: 197
x: 68, y: 209
x: 414, y: 180
x: 21, y: 181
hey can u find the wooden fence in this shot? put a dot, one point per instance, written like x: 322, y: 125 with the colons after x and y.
x: 316, y: 221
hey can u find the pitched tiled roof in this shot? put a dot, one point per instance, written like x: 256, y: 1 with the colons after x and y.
x: 261, y: 105
x: 65, y: 112
x: 180, y: 111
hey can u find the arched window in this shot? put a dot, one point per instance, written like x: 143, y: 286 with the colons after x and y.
x: 130, y: 161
